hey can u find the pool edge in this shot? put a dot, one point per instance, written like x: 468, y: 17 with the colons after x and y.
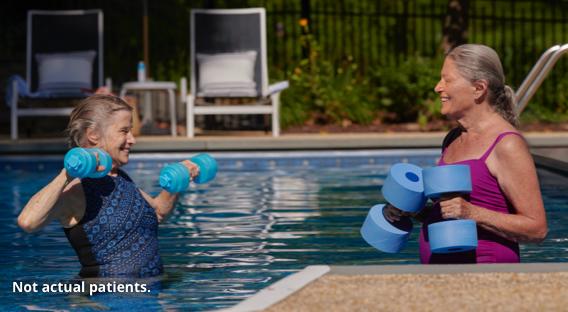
x: 280, y: 290
x: 551, y: 164
x: 283, y: 289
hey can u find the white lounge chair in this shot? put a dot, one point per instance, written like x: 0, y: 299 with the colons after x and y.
x: 64, y: 60
x: 228, y: 60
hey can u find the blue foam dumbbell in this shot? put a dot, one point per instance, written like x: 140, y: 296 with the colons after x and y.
x: 452, y: 235
x: 443, y: 180
x: 403, y: 189
x: 384, y: 235
x: 175, y: 178
x: 82, y: 162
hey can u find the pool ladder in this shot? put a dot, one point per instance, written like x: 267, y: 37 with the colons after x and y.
x: 537, y: 74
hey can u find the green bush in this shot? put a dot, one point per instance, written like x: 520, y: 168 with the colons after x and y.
x: 322, y: 93
x: 406, y: 91
x: 548, y: 107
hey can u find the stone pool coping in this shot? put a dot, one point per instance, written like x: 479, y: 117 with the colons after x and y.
x: 147, y: 144
x: 283, y: 294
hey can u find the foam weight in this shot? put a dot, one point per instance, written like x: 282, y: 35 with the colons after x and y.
x: 383, y: 235
x: 452, y: 236
x: 404, y: 187
x: 446, y: 179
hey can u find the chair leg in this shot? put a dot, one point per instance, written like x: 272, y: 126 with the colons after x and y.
x: 14, y: 111
x: 190, y: 116
x: 173, y: 120
x: 276, y: 114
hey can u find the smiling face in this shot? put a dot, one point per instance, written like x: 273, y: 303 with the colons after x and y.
x: 456, y: 93
x: 118, y: 138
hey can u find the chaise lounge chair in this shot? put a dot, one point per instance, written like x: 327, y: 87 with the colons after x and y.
x: 64, y: 60
x: 228, y: 60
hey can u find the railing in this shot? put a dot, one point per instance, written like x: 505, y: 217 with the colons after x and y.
x: 537, y: 74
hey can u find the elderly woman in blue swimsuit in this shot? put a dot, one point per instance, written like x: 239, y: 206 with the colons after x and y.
x: 110, y: 222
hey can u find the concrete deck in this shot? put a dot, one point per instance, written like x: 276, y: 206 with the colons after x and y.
x: 541, y: 141
x: 494, y: 287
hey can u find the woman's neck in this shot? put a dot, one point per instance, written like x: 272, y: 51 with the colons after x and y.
x: 480, y: 120
x: 114, y: 171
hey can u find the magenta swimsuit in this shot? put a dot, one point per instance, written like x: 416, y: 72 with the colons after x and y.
x: 486, y: 193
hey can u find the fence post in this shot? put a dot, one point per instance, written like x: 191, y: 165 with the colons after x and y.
x: 455, y: 24
x: 305, y: 17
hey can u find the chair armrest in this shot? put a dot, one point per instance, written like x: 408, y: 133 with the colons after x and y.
x: 15, y: 88
x: 278, y: 87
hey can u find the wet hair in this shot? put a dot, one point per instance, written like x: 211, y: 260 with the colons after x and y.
x: 93, y: 112
x: 479, y: 62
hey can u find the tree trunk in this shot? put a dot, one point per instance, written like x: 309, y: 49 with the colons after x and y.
x: 455, y: 25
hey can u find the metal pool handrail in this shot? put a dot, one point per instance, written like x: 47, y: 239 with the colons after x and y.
x: 535, y: 70
x: 537, y: 74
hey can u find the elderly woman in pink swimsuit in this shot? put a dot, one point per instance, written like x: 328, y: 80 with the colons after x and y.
x: 505, y: 202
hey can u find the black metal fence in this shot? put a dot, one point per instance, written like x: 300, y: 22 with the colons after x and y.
x: 372, y: 33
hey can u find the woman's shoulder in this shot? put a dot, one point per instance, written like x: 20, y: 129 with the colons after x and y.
x: 510, y: 147
x: 125, y: 175
x: 511, y: 141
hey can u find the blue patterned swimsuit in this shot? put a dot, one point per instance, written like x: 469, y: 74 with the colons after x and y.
x: 118, y: 235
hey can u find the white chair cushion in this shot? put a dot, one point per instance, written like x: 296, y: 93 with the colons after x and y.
x: 65, y: 72
x: 227, y: 72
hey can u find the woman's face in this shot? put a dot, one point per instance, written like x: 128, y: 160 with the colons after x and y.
x: 118, y: 138
x: 456, y: 92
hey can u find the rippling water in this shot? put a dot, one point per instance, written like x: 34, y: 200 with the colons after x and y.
x: 264, y: 217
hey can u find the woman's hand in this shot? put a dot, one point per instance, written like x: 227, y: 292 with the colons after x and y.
x: 99, y: 166
x: 393, y: 214
x: 192, y: 168
x: 456, y: 208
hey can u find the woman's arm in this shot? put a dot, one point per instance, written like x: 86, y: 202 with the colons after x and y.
x: 513, y: 166
x: 165, y: 201
x: 60, y: 199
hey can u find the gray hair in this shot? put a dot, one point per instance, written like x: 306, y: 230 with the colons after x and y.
x: 93, y: 112
x: 479, y: 62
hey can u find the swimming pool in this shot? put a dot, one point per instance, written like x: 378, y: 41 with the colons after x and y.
x: 265, y: 216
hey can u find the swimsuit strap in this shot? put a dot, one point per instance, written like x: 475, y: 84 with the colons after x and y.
x: 450, y: 137
x: 499, y: 137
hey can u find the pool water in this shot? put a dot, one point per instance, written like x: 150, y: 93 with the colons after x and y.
x: 265, y: 216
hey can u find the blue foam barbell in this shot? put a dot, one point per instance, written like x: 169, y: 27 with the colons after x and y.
x: 404, y: 187
x: 207, y: 168
x: 384, y: 235
x: 175, y: 178
x: 446, y: 179
x: 82, y: 162
x: 452, y: 236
